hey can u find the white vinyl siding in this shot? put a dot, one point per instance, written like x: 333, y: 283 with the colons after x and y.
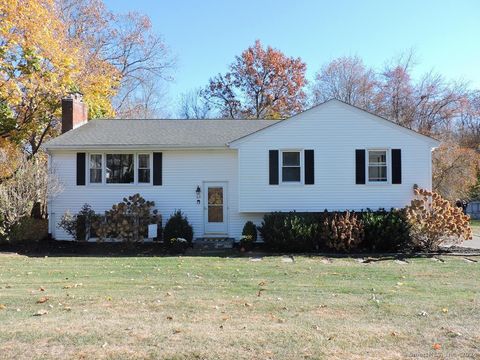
x: 183, y: 171
x: 334, y: 131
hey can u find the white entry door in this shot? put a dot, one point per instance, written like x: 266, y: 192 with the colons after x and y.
x: 215, y: 205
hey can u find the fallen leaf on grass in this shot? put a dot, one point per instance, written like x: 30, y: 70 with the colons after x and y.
x: 41, y: 312
x: 41, y: 289
x: 42, y: 300
x: 3, y: 306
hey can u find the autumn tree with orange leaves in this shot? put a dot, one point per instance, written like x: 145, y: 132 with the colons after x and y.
x: 261, y: 83
x: 38, y: 66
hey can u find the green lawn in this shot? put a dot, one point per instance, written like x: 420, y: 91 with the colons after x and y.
x: 234, y: 308
x: 475, y: 223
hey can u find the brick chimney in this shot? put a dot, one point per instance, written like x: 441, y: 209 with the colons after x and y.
x: 74, y: 111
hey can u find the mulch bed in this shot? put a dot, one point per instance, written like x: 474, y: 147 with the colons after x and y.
x: 73, y: 248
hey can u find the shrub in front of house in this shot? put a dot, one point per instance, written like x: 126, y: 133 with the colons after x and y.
x: 342, y: 231
x: 128, y: 220
x: 249, y: 236
x: 435, y: 221
x: 177, y: 227
x: 387, y: 231
x: 291, y: 232
x: 78, y: 225
x: 26, y: 230
x: 336, y: 231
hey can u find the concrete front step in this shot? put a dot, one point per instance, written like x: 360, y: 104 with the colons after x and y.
x: 213, y: 243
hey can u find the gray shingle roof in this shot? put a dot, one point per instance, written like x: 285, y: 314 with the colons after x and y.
x: 156, y: 133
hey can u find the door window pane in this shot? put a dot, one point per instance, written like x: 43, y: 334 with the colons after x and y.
x: 215, y: 214
x: 215, y: 196
x: 215, y: 204
x: 119, y: 168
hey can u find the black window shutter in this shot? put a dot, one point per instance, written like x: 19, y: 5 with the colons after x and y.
x: 360, y: 166
x: 309, y: 167
x: 80, y: 169
x: 273, y: 167
x: 157, y: 168
x: 396, y: 166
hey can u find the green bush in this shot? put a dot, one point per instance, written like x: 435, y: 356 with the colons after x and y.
x: 177, y: 227
x: 28, y: 229
x: 336, y: 231
x: 291, y: 232
x: 386, y: 230
x: 249, y: 236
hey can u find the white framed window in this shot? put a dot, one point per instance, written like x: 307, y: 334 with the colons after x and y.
x: 119, y: 169
x: 143, y: 173
x: 95, y: 168
x: 377, y: 166
x: 291, y: 169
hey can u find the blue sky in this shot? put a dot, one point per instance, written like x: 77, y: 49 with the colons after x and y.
x: 206, y: 35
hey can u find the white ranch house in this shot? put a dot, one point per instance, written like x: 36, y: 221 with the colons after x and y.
x: 222, y: 173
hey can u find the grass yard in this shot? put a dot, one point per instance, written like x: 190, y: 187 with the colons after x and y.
x: 235, y: 308
x: 475, y: 225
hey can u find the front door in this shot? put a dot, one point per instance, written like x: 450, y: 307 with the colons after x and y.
x: 215, y: 208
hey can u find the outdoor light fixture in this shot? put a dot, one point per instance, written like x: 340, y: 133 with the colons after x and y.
x: 198, y: 192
